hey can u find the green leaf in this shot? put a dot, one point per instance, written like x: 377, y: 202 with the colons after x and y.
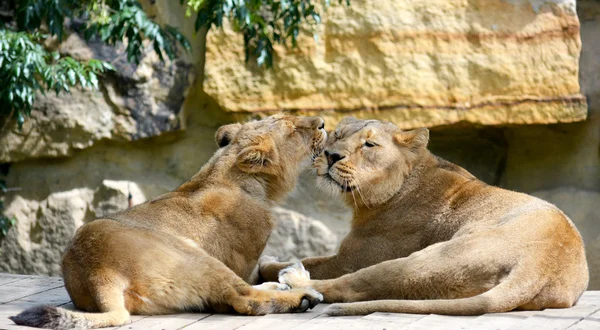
x: 108, y: 66
x: 158, y: 51
x: 71, y: 76
x: 20, y: 120
x: 263, y: 56
x: 93, y: 79
x: 201, y: 20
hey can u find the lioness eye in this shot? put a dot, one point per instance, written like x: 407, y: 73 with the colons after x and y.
x: 369, y: 144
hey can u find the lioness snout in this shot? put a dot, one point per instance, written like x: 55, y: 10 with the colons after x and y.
x: 318, y: 122
x: 332, y: 158
x: 312, y: 122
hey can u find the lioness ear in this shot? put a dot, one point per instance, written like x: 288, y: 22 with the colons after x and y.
x: 415, y: 139
x: 226, y: 133
x: 347, y: 120
x: 258, y: 158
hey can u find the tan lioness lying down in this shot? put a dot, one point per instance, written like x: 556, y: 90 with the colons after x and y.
x: 428, y: 237
x: 193, y: 248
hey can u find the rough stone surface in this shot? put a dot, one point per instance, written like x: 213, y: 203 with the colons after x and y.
x: 133, y: 102
x: 298, y: 236
x: 416, y: 63
x: 311, y: 201
x: 45, y: 228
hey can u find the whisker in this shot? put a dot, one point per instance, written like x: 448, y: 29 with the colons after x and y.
x: 353, y: 197
x: 361, y: 196
x: 368, y: 185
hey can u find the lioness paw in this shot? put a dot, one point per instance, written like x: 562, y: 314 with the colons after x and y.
x: 296, y: 276
x: 264, y: 260
x: 310, y: 299
x: 272, y: 286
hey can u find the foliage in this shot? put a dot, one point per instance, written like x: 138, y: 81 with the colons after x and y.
x: 5, y: 222
x: 27, y: 66
x: 113, y: 20
x: 264, y: 23
x: 128, y: 21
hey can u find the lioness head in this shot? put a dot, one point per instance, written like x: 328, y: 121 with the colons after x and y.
x: 272, y: 150
x: 368, y: 160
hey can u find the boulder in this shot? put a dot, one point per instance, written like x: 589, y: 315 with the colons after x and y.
x: 298, y: 236
x: 43, y: 230
x: 133, y: 102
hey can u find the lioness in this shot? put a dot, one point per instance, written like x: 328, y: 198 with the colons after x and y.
x: 428, y: 233
x: 192, y: 248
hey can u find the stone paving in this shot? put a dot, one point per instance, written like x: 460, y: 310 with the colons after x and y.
x: 18, y: 292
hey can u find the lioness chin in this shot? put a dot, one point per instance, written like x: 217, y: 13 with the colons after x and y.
x: 428, y: 237
x: 193, y: 248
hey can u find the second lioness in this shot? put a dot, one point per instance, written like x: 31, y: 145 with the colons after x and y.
x: 433, y: 238
x: 192, y: 248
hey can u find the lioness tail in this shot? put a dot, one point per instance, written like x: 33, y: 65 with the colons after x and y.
x: 52, y: 317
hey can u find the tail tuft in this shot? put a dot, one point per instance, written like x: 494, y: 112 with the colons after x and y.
x: 57, y: 318
x: 43, y: 316
x: 339, y: 310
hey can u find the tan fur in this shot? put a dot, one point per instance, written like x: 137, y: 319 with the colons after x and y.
x: 192, y: 249
x: 428, y: 237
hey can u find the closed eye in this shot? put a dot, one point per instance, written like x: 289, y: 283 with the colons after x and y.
x: 370, y: 144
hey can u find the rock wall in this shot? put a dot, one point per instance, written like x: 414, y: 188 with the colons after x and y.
x: 81, y: 154
x: 133, y: 102
x: 417, y: 63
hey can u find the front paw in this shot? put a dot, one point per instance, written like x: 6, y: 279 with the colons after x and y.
x: 310, y: 299
x: 295, y: 276
x: 272, y: 286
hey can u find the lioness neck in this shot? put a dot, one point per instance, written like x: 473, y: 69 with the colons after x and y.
x: 432, y: 186
x: 221, y: 171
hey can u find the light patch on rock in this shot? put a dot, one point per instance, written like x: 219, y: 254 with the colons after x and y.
x: 297, y: 236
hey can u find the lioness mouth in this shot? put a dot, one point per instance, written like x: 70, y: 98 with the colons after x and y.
x: 343, y: 187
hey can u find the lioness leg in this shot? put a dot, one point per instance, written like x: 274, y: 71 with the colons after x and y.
x: 217, y: 285
x: 199, y: 281
x: 468, y: 276
x: 319, y: 267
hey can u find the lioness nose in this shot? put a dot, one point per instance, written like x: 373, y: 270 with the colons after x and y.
x: 318, y: 122
x: 321, y: 125
x: 332, y: 158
